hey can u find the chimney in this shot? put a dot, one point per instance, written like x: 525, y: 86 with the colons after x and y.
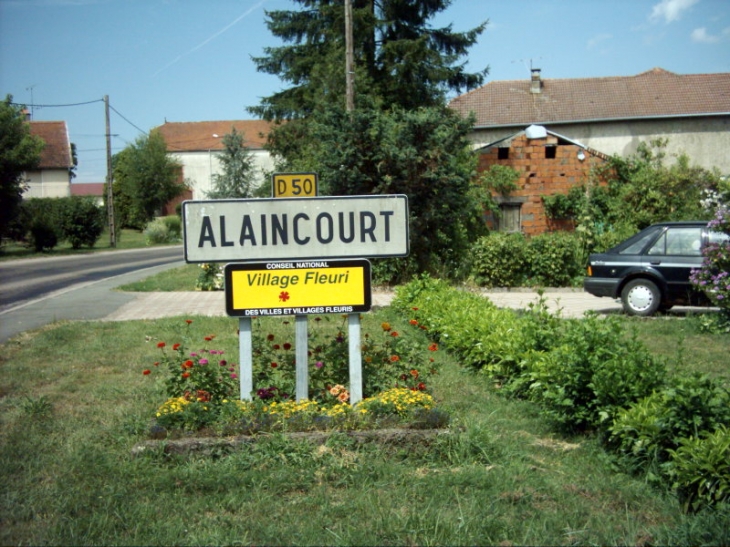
x: 535, y: 82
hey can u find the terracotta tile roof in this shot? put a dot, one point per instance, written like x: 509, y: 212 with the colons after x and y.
x: 655, y: 93
x: 198, y: 136
x: 57, y: 152
x: 87, y: 189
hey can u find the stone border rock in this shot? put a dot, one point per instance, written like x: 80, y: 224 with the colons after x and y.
x: 195, y: 445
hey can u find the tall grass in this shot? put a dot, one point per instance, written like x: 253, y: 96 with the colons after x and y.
x: 73, y: 402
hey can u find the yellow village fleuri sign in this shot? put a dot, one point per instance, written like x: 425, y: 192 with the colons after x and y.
x: 298, y: 287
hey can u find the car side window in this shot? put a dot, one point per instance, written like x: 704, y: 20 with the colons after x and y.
x: 678, y: 241
x: 718, y: 237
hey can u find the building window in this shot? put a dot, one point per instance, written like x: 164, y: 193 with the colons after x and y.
x: 509, y: 217
x: 502, y: 153
x: 550, y: 152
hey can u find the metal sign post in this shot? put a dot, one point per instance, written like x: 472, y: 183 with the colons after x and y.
x: 289, y: 249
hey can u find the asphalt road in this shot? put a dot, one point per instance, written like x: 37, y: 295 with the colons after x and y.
x: 29, y: 279
x: 36, y: 292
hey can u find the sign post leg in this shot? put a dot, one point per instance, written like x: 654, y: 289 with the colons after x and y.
x: 353, y: 321
x: 302, y: 357
x: 245, y: 348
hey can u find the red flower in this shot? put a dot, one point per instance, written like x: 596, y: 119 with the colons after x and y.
x: 413, y: 322
x: 394, y: 358
x: 186, y: 375
x: 160, y: 344
x: 157, y: 363
x: 287, y: 346
x: 394, y: 334
x: 208, y: 338
x: 277, y: 347
x: 274, y: 365
x: 421, y: 386
x: 270, y: 337
x: 188, y: 364
x: 146, y: 372
x: 414, y: 309
x: 433, y: 347
x: 188, y: 321
x: 175, y: 347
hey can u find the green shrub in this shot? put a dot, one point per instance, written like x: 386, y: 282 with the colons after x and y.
x: 163, y: 230
x: 686, y: 407
x: 81, y: 221
x: 500, y: 260
x: 700, y: 470
x: 591, y: 374
x: 43, y: 234
x: 174, y: 226
x: 554, y: 259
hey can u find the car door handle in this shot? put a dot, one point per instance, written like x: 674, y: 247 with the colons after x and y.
x: 655, y: 263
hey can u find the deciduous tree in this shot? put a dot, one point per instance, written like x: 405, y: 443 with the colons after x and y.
x: 19, y: 152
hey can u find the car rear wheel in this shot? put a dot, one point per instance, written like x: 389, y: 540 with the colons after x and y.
x: 641, y: 297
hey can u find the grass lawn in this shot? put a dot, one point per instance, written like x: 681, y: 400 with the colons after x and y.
x: 126, y: 239
x: 73, y: 402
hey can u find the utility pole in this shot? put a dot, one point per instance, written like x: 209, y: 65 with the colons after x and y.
x: 349, y: 59
x: 109, y: 180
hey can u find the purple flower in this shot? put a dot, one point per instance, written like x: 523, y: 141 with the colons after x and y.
x: 319, y: 364
x: 203, y: 362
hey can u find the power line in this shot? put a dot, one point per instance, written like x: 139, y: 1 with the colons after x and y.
x: 57, y: 105
x: 126, y: 120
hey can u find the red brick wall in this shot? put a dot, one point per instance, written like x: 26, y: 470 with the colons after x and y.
x: 542, y: 176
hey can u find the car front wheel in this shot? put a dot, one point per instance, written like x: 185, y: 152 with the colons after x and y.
x: 641, y: 297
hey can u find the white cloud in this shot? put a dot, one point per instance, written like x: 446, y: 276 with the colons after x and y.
x: 671, y: 10
x: 593, y: 42
x: 700, y: 35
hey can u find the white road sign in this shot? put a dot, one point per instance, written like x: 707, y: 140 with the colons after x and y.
x: 248, y: 230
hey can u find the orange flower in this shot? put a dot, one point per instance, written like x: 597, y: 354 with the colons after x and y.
x: 414, y: 373
x: 385, y: 326
x: 394, y: 358
x: 433, y: 347
x: 413, y: 322
x: 186, y: 375
x: 343, y: 396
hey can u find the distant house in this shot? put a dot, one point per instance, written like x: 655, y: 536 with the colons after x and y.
x: 93, y: 189
x: 52, y: 178
x: 592, y: 119
x: 611, y: 114
x: 197, y: 145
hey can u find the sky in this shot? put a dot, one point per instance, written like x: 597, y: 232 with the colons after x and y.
x: 191, y: 60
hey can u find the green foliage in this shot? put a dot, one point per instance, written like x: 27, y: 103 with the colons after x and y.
x: 399, y: 59
x: 19, y: 152
x: 210, y: 278
x: 713, y: 277
x: 500, y: 178
x: 500, y: 260
x: 81, y: 221
x: 164, y: 230
x: 554, y: 259
x: 591, y: 373
x: 570, y: 205
x: 686, y: 406
x: 145, y: 179
x: 700, y: 469
x: 238, y: 177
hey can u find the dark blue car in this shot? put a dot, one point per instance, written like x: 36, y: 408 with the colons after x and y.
x: 650, y: 271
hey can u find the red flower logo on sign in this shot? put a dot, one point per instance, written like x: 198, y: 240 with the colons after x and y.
x: 284, y: 296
